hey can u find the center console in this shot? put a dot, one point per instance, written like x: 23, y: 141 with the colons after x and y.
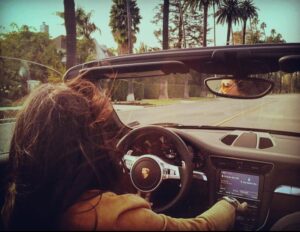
x: 245, y: 181
x: 244, y: 187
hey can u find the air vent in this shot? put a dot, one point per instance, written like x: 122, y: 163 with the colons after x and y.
x: 265, y: 143
x: 257, y: 140
x: 228, y: 139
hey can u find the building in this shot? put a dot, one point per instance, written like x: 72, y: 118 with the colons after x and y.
x: 60, y: 45
x: 44, y: 28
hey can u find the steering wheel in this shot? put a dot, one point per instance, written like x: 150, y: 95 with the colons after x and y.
x: 148, y: 171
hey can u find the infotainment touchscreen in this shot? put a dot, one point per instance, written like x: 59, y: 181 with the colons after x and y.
x: 239, y: 184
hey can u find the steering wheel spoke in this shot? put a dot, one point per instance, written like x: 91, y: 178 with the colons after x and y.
x: 129, y: 160
x: 171, y: 171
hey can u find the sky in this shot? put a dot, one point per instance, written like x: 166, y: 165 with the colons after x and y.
x: 282, y: 15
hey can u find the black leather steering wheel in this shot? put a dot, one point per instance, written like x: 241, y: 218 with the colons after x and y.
x: 148, y: 171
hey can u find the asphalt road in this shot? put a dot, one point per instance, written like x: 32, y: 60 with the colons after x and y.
x: 277, y: 112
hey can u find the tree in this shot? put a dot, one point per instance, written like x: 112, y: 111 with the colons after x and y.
x: 145, y: 48
x: 170, y: 24
x: 163, y: 89
x: 86, y: 50
x: 124, y: 20
x: 70, y: 24
x: 165, y: 43
x: 198, y: 5
x: 25, y: 44
x: 228, y: 12
x: 248, y: 11
x: 130, y: 95
x: 118, y: 23
x: 183, y: 31
x: 263, y: 26
x: 273, y: 34
x: 129, y: 26
x: 85, y: 46
x: 84, y: 26
x: 181, y: 35
x: 184, y: 27
x: 237, y: 37
x: 193, y: 28
x: 256, y: 34
x: 215, y: 2
x: 275, y: 37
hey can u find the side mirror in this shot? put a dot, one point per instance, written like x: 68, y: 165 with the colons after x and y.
x: 247, y: 88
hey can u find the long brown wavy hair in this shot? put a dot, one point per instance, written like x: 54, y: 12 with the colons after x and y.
x: 58, y: 151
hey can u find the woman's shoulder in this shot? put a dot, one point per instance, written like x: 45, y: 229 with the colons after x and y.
x: 124, y: 201
x: 107, y: 207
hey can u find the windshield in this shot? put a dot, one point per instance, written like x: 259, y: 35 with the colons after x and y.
x: 184, y: 99
x: 39, y: 48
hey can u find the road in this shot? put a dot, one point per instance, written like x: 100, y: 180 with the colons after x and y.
x: 277, y: 112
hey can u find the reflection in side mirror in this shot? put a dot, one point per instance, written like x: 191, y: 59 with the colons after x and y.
x: 239, y: 88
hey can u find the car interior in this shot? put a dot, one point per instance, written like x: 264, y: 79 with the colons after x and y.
x: 194, y: 166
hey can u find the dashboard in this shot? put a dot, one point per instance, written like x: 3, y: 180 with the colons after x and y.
x: 262, y: 175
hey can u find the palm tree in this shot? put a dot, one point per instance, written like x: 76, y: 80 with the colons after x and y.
x: 263, y: 26
x: 70, y: 24
x: 248, y: 10
x: 228, y: 12
x: 273, y: 33
x: 124, y: 20
x: 84, y: 26
x: 130, y: 94
x: 163, y: 87
x: 119, y: 23
x: 129, y: 22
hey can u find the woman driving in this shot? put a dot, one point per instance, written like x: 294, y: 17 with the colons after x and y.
x: 65, y: 174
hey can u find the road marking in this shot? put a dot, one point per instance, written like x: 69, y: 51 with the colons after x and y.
x: 240, y: 113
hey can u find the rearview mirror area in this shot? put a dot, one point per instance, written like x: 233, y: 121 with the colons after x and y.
x: 290, y: 63
x: 248, y: 88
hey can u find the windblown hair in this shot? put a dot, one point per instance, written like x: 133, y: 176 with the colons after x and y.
x: 58, y: 151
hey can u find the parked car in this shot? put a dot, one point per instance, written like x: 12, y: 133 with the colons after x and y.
x: 186, y: 143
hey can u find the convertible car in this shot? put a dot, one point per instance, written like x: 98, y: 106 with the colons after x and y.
x: 198, y: 124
